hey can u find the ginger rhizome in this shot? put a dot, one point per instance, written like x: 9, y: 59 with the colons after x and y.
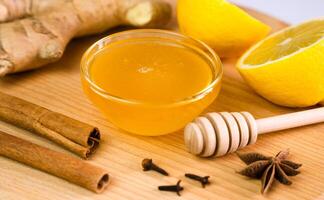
x: 34, y: 33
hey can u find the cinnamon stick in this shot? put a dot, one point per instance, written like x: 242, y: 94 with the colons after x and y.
x: 55, y: 163
x: 78, y: 137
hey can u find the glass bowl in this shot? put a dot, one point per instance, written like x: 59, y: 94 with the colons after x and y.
x: 144, y: 117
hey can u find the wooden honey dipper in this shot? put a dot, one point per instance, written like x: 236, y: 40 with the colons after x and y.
x: 217, y: 134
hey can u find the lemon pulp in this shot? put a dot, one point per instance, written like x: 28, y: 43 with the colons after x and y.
x: 286, y: 43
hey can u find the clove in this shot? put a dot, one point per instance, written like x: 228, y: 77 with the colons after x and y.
x: 172, y: 188
x: 149, y: 165
x: 204, y: 180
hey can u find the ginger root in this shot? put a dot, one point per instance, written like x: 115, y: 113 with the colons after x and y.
x: 34, y: 33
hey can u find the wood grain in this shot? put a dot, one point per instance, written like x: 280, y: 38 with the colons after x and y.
x: 57, y: 87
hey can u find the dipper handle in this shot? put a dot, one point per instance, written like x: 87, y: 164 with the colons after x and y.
x: 217, y: 134
x: 291, y: 120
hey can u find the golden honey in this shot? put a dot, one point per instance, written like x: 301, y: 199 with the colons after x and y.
x: 150, y: 82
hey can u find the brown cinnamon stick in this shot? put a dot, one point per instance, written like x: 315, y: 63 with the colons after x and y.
x: 55, y: 163
x: 76, y: 136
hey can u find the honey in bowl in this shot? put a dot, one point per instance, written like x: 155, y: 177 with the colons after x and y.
x: 150, y: 82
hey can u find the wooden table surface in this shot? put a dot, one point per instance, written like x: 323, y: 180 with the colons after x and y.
x: 57, y: 87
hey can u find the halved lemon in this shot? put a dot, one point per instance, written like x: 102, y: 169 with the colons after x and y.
x: 287, y: 67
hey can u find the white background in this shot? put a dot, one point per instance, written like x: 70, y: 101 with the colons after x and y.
x: 291, y: 11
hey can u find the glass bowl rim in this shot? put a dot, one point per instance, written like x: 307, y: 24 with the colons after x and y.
x: 217, y: 66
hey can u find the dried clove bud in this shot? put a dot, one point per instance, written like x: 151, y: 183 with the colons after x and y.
x: 172, y: 188
x: 204, y: 180
x: 148, y: 164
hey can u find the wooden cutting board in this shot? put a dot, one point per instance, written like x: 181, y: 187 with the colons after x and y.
x: 57, y: 87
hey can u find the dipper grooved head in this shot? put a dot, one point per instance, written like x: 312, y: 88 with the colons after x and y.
x: 220, y: 133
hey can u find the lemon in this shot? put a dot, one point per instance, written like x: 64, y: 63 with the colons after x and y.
x: 223, y: 26
x: 287, y: 68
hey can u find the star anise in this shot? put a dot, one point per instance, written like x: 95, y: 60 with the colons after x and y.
x: 269, y: 168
